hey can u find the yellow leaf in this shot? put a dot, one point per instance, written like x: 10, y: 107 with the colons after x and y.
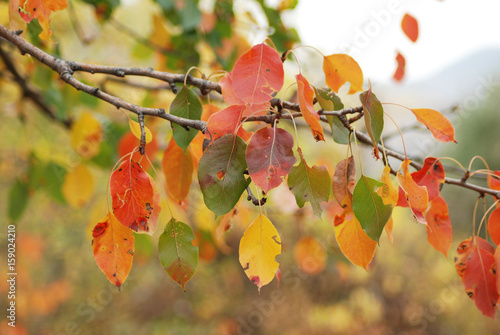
x: 341, y: 68
x: 135, y: 128
x: 440, y: 127
x: 78, y: 186
x: 388, y: 191
x: 354, y: 243
x: 86, y: 135
x: 259, y: 247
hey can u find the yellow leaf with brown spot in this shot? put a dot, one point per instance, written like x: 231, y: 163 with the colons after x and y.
x: 86, y: 135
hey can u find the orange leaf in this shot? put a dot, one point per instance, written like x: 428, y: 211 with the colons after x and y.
x: 258, y: 74
x: 415, y: 195
x: 464, y: 250
x: 388, y: 229
x: 494, y: 181
x: 494, y: 226
x: 354, y: 243
x: 306, y: 97
x: 133, y: 196
x: 410, y: 27
x: 440, y: 127
x: 41, y: 10
x: 400, y: 70
x: 309, y: 255
x: 113, y: 246
x: 178, y: 170
x: 128, y: 142
x: 439, y: 229
x: 226, y: 121
x: 341, y: 68
x: 344, y: 179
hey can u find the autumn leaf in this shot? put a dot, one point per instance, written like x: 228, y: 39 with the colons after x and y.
x: 226, y: 85
x: 309, y: 184
x: 494, y: 226
x: 128, y: 143
x: 135, y: 128
x: 78, y: 186
x: 113, y: 246
x: 41, y: 10
x: 344, y: 179
x: 439, y: 228
x: 369, y: 208
x: 258, y: 74
x: 186, y: 105
x: 133, y: 196
x: 416, y: 195
x: 464, y: 250
x: 388, y: 229
x: 354, y: 243
x: 306, y: 96
x: 178, y: 255
x: 373, y: 115
x: 270, y: 157
x: 440, y: 127
x: 480, y: 281
x: 178, y: 169
x: 220, y: 173
x: 259, y: 246
x: 226, y: 121
x: 309, y: 255
x: 431, y: 175
x: 341, y: 68
x: 86, y: 135
x: 400, y: 70
x: 330, y: 101
x: 388, y: 191
x: 410, y: 27
x: 494, y: 180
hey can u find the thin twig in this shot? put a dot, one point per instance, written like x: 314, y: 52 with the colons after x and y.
x: 251, y: 197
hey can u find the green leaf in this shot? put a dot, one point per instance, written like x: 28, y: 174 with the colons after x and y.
x: 178, y: 255
x: 186, y: 105
x: 190, y: 15
x: 18, y: 199
x: 374, y: 116
x: 369, y: 207
x: 220, y: 173
x: 309, y: 184
x: 330, y: 101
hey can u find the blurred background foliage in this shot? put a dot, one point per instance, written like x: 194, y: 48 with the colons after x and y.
x: 409, y: 289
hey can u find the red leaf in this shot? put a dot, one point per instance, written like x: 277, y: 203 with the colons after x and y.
x: 269, y: 157
x: 463, y: 252
x: 415, y: 195
x: 400, y: 70
x: 494, y: 181
x: 133, y: 196
x: 410, y: 27
x: 258, y: 74
x: 226, y: 122
x: 431, y: 175
x: 41, y: 10
x: 439, y: 229
x: 306, y: 97
x: 226, y: 85
x: 128, y: 142
x: 494, y: 226
x: 480, y: 281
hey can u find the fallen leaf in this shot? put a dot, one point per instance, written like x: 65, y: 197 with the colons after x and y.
x: 410, y: 27
x: 400, y: 70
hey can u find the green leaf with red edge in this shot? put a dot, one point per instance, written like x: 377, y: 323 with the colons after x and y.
x: 439, y: 228
x: 416, y: 195
x: 41, y: 10
x: 344, y: 179
x: 369, y: 208
x: 353, y: 241
x: 178, y: 255
x: 258, y: 74
x: 309, y: 184
x: 400, y: 70
x: 494, y: 225
x: 220, y: 173
x: 186, y: 105
x: 341, y: 68
x: 480, y: 281
x: 374, y: 116
x: 270, y: 157
x: 464, y: 250
x: 178, y: 167
x: 440, y: 127
x: 410, y: 27
x: 113, y: 247
x: 306, y: 96
x: 226, y: 121
x: 132, y: 193
x: 431, y: 175
x: 494, y: 181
